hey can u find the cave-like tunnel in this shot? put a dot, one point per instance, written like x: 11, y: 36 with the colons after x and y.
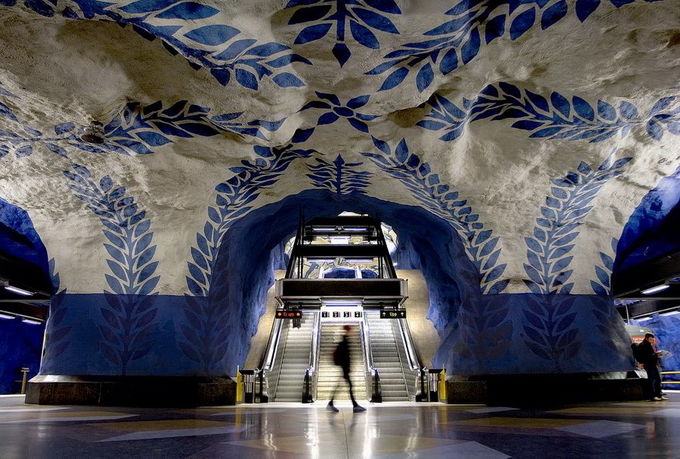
x: 156, y: 157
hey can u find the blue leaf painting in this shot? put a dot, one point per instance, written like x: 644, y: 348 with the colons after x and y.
x: 132, y: 266
x: 339, y: 177
x: 416, y: 175
x: 552, y: 117
x: 363, y: 19
x: 567, y: 206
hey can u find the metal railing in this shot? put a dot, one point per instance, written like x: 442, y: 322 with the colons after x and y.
x: 312, y: 373
x: 267, y: 362
x: 371, y: 375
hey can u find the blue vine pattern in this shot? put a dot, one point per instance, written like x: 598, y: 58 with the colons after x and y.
x: 206, y: 332
x: 56, y: 334
x: 425, y: 185
x: 553, y: 117
x: 334, y: 110
x: 129, y: 317
x: 549, y: 329
x: 361, y: 17
x: 183, y: 27
x: 604, y: 272
x: 457, y: 41
x: 339, y: 177
x: 138, y: 129
x: 567, y: 206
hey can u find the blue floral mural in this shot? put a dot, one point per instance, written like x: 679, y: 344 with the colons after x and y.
x: 205, y: 334
x: 551, y: 117
x: 549, y: 248
x: 340, y: 177
x: 57, y: 328
x: 469, y: 25
x: 602, y: 286
x: 437, y: 197
x: 225, y: 50
x: 129, y: 315
x: 361, y: 18
x: 334, y: 110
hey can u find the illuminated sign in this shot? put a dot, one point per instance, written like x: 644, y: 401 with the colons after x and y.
x: 287, y: 314
x: 393, y: 313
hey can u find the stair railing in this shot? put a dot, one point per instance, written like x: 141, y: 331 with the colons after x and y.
x: 267, y: 362
x: 413, y: 360
x: 311, y: 373
x: 372, y: 376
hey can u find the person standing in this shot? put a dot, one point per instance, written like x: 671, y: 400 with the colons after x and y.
x: 341, y: 357
x: 649, y: 358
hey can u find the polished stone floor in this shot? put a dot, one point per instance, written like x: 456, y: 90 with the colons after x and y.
x: 394, y: 430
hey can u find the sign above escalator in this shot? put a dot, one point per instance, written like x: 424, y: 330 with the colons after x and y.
x: 393, y: 313
x: 288, y: 314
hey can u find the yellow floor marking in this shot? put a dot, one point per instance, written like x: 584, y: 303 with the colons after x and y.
x: 520, y: 423
x: 173, y: 424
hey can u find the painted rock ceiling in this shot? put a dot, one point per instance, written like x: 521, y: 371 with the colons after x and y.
x: 528, y: 126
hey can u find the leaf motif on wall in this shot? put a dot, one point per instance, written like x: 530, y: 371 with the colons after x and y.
x: 426, y: 188
x: 566, y: 208
x: 339, y: 177
x: 231, y: 203
x: 129, y: 311
x: 550, y: 117
x: 363, y: 19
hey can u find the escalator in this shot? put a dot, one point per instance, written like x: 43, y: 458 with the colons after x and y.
x: 340, y: 273
x: 330, y: 374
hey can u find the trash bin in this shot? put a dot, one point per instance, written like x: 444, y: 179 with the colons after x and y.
x: 248, y: 377
x: 433, y: 380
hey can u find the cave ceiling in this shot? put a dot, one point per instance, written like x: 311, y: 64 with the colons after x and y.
x: 534, y: 129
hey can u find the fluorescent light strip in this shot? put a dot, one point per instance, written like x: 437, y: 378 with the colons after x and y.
x: 17, y: 290
x: 6, y: 316
x: 647, y: 291
x: 31, y: 321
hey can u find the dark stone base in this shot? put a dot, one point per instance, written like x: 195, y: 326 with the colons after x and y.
x: 151, y: 391
x: 541, y: 390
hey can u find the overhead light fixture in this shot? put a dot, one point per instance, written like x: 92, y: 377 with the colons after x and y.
x: 6, y: 316
x: 18, y: 291
x: 31, y: 321
x: 359, y: 260
x: 339, y: 240
x: 672, y: 313
x: 656, y: 288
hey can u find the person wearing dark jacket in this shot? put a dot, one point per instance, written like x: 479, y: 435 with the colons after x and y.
x: 341, y: 357
x: 649, y: 358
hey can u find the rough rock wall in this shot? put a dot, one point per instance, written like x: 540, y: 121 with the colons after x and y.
x: 532, y: 130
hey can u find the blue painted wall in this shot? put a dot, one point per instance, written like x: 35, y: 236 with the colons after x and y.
x: 209, y: 335
x: 20, y: 346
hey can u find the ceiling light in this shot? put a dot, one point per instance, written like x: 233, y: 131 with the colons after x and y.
x: 339, y: 239
x: 672, y: 313
x: 31, y: 321
x: 6, y: 316
x: 656, y: 288
x: 17, y: 290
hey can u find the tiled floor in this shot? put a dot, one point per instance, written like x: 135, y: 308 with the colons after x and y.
x: 394, y: 430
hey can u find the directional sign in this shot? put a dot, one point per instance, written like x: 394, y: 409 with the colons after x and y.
x: 393, y: 313
x: 285, y: 314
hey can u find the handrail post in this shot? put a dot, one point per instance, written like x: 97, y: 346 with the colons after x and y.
x: 376, y: 395
x: 306, y: 393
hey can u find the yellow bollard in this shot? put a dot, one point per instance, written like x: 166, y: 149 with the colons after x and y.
x: 442, y: 385
x: 239, y: 385
x: 25, y: 371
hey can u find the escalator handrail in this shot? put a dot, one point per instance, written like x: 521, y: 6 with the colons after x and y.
x: 412, y: 356
x: 272, y: 346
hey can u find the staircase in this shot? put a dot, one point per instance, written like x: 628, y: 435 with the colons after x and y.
x: 292, y: 360
x: 329, y: 374
x: 389, y: 357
